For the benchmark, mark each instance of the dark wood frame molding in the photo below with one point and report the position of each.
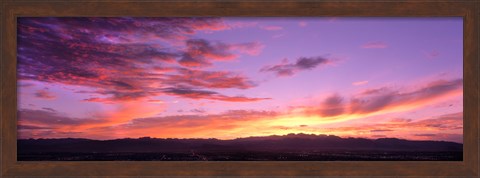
(10, 10)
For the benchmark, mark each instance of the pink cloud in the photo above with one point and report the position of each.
(253, 48)
(215, 24)
(358, 83)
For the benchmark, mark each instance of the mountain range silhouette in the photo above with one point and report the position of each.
(274, 143)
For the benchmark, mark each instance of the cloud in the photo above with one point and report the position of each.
(61, 122)
(156, 101)
(49, 109)
(391, 99)
(331, 106)
(101, 100)
(372, 104)
(209, 79)
(400, 120)
(46, 133)
(185, 126)
(125, 59)
(200, 52)
(271, 28)
(252, 48)
(189, 93)
(447, 127)
(302, 63)
(425, 135)
(358, 83)
(49, 119)
(374, 90)
(454, 137)
(386, 99)
(381, 130)
(119, 96)
(375, 44)
(444, 122)
(74, 51)
(441, 123)
(31, 127)
(25, 85)
(198, 110)
(44, 94)
(211, 95)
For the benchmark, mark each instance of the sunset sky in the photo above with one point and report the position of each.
(107, 78)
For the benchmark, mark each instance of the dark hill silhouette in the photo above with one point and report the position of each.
(274, 143)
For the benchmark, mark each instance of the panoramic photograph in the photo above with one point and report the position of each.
(239, 89)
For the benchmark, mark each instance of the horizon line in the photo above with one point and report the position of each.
(290, 134)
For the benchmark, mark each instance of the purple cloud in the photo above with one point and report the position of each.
(204, 94)
(209, 79)
(331, 106)
(120, 57)
(302, 63)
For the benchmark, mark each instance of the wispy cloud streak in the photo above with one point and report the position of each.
(302, 63)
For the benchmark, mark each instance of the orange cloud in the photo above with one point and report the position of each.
(230, 124)
(122, 113)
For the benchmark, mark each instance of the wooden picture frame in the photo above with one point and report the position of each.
(10, 10)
